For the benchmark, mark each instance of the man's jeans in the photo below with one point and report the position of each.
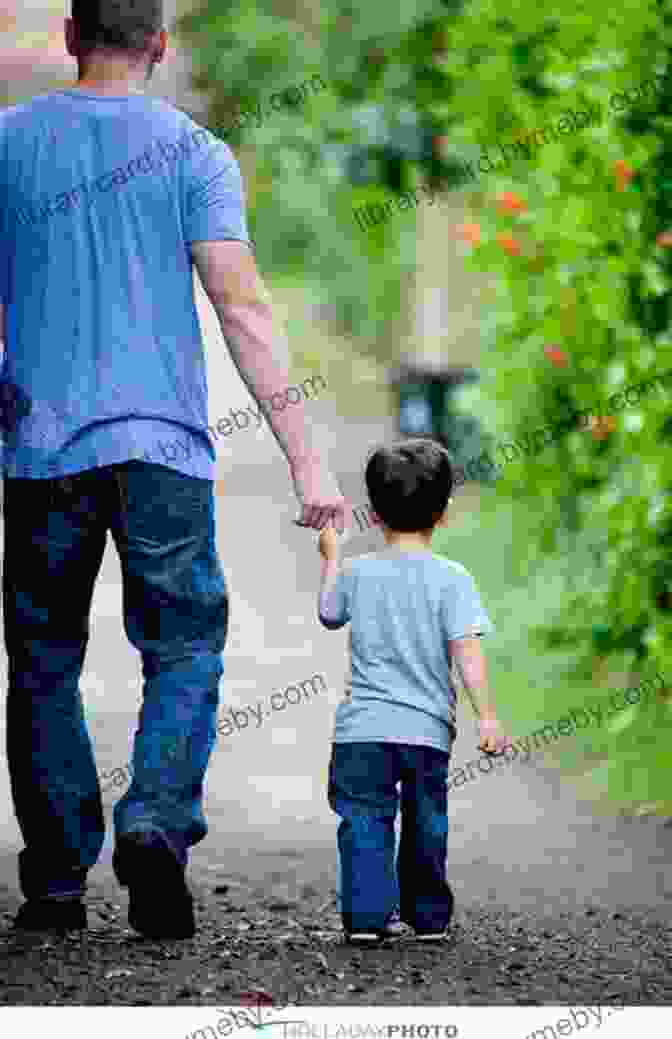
(175, 613)
(363, 781)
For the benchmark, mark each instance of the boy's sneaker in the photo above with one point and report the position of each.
(395, 927)
(51, 914)
(160, 903)
(438, 936)
(364, 938)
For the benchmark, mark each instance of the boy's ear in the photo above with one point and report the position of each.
(375, 518)
(71, 41)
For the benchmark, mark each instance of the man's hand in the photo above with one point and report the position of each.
(319, 496)
(491, 736)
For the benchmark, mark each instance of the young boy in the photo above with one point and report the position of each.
(412, 615)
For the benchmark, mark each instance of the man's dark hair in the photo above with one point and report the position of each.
(124, 25)
(409, 484)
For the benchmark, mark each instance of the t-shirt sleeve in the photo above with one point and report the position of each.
(215, 196)
(463, 612)
(335, 606)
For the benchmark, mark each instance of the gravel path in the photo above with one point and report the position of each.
(555, 904)
(252, 943)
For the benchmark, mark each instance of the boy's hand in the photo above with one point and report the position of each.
(491, 736)
(329, 544)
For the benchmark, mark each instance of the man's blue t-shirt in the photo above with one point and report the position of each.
(100, 198)
(403, 608)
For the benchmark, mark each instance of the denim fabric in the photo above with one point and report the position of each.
(175, 613)
(363, 780)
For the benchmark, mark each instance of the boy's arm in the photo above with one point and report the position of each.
(472, 668)
(332, 606)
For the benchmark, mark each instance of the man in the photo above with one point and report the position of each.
(107, 201)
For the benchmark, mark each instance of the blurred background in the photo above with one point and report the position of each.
(540, 288)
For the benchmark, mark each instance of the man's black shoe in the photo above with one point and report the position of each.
(51, 914)
(160, 903)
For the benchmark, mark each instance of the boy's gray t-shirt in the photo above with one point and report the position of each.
(403, 608)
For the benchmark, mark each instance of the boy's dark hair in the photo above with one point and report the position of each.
(124, 25)
(409, 484)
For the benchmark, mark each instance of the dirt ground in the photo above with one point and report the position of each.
(289, 948)
(555, 903)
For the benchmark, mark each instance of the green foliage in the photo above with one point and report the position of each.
(365, 127)
(410, 87)
(591, 280)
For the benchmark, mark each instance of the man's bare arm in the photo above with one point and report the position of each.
(260, 351)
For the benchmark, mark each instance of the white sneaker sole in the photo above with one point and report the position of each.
(363, 938)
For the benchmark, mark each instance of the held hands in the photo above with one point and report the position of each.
(318, 494)
(491, 736)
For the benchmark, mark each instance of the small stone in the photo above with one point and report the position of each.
(255, 998)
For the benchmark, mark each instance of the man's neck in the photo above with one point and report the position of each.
(116, 80)
(109, 87)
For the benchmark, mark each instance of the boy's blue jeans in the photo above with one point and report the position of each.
(363, 780)
(175, 606)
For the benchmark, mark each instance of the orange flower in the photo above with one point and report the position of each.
(468, 233)
(509, 244)
(602, 425)
(622, 169)
(664, 238)
(623, 173)
(511, 203)
(556, 356)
